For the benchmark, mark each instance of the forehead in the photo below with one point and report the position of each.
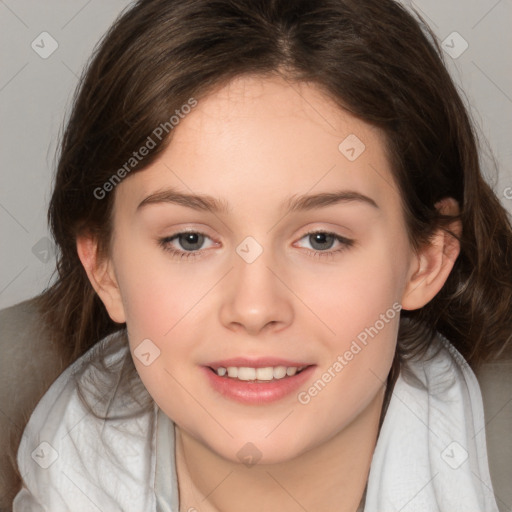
(264, 139)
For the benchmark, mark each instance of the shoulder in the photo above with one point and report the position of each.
(88, 439)
(495, 379)
(434, 432)
(444, 376)
(441, 369)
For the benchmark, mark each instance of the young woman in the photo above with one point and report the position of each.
(278, 263)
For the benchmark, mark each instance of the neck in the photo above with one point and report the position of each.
(331, 476)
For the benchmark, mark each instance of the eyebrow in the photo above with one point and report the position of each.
(295, 203)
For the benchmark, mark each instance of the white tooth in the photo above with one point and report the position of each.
(232, 371)
(245, 373)
(279, 372)
(265, 373)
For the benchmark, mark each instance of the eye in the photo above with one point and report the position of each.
(322, 241)
(190, 242)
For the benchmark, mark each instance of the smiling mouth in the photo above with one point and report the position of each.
(259, 375)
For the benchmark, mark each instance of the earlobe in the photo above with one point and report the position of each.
(434, 262)
(101, 276)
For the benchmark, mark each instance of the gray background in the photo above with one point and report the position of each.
(35, 95)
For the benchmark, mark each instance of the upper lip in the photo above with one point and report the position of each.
(260, 362)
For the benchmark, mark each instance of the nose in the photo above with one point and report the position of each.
(256, 297)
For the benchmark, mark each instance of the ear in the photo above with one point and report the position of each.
(432, 265)
(101, 275)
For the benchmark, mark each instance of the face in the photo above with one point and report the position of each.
(269, 278)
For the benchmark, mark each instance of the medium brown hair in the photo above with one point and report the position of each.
(372, 57)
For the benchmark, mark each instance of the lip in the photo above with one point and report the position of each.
(256, 393)
(260, 362)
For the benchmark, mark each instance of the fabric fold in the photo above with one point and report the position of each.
(431, 455)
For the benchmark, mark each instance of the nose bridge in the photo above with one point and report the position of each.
(256, 296)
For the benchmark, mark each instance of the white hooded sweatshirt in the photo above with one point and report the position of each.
(430, 455)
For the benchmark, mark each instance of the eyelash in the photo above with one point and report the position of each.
(164, 243)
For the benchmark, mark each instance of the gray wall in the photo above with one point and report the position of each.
(35, 93)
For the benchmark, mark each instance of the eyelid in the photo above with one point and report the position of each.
(326, 232)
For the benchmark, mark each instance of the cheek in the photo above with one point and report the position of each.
(358, 308)
(156, 293)
(352, 294)
(359, 353)
(158, 301)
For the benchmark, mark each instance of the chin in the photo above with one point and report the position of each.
(258, 450)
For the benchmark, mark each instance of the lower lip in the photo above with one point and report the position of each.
(257, 392)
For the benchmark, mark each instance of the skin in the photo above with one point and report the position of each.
(254, 144)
